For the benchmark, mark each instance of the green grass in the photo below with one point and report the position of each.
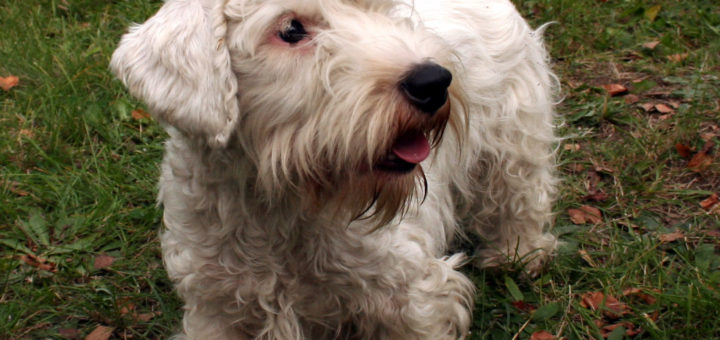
(78, 174)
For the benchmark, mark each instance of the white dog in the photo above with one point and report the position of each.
(325, 153)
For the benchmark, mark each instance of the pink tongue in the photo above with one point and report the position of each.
(412, 148)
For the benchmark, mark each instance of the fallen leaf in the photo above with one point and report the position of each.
(597, 196)
(630, 329)
(671, 237)
(586, 214)
(631, 99)
(611, 307)
(139, 114)
(523, 306)
(663, 108)
(713, 233)
(683, 150)
(100, 333)
(145, 317)
(709, 202)
(585, 256)
(700, 161)
(9, 82)
(650, 45)
(666, 116)
(39, 263)
(542, 335)
(637, 292)
(615, 89)
(26, 133)
(571, 147)
(103, 261)
(677, 57)
(69, 333)
(647, 107)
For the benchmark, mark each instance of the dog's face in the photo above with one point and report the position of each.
(342, 100)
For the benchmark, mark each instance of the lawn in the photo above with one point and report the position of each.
(639, 110)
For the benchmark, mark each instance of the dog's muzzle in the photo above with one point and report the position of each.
(426, 87)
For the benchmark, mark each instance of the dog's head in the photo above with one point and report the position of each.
(342, 99)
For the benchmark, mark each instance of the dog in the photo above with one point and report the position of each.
(325, 155)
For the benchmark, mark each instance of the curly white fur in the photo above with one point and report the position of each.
(278, 224)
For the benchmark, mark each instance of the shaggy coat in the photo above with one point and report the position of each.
(287, 213)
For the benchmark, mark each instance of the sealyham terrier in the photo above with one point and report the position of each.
(324, 154)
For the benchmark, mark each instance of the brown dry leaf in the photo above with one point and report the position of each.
(631, 99)
(630, 329)
(677, 57)
(613, 308)
(671, 237)
(712, 233)
(140, 114)
(103, 261)
(26, 133)
(39, 263)
(683, 150)
(6, 83)
(523, 306)
(700, 161)
(647, 107)
(597, 196)
(585, 256)
(666, 116)
(542, 335)
(664, 108)
(69, 333)
(615, 89)
(709, 202)
(651, 44)
(100, 333)
(637, 292)
(145, 317)
(571, 147)
(586, 214)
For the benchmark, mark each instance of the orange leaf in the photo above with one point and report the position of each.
(586, 214)
(523, 306)
(710, 201)
(671, 237)
(100, 333)
(615, 89)
(542, 335)
(585, 256)
(9, 82)
(631, 99)
(613, 308)
(647, 107)
(677, 57)
(103, 261)
(69, 333)
(663, 108)
(700, 161)
(140, 114)
(39, 263)
(651, 45)
(630, 329)
(649, 299)
(684, 150)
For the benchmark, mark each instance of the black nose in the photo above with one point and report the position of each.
(426, 86)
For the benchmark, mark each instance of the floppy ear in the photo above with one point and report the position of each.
(177, 62)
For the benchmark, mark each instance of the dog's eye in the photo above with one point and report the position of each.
(294, 33)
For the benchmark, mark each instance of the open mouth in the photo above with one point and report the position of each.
(406, 153)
